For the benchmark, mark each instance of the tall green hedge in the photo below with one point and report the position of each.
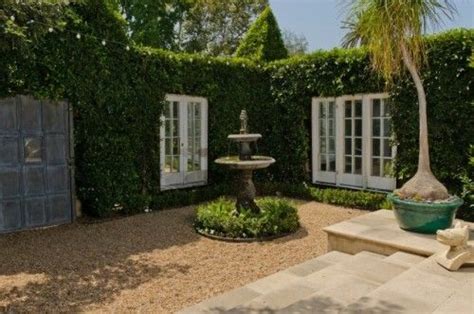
(118, 96)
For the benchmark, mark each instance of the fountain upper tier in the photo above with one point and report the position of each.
(244, 137)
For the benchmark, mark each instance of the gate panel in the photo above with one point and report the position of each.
(34, 169)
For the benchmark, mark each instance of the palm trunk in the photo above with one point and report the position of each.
(424, 150)
(423, 185)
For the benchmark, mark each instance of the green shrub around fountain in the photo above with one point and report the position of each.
(221, 219)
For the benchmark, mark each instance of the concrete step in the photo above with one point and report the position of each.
(405, 259)
(327, 282)
(424, 288)
(342, 284)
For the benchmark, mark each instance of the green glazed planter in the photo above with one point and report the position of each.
(424, 217)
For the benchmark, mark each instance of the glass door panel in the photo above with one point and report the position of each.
(194, 137)
(382, 152)
(352, 150)
(171, 142)
(324, 114)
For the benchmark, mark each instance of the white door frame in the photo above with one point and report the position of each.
(185, 178)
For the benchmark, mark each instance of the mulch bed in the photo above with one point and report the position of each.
(152, 262)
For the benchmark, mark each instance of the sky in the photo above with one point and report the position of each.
(320, 20)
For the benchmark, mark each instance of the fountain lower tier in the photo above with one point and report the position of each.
(244, 184)
(255, 162)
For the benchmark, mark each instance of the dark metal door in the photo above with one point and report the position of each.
(35, 185)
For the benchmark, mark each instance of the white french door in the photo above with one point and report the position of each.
(324, 135)
(183, 135)
(351, 141)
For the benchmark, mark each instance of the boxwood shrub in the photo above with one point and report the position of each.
(220, 218)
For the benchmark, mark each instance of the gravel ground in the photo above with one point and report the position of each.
(149, 263)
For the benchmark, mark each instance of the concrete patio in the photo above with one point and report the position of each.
(391, 271)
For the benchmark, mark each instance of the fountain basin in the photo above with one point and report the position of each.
(255, 162)
(244, 137)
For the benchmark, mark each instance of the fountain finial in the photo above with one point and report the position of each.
(243, 122)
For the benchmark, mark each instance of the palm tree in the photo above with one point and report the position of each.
(392, 31)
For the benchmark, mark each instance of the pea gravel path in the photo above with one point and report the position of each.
(149, 263)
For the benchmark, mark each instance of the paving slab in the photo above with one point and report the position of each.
(223, 302)
(426, 287)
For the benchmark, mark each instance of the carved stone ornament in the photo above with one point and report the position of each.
(459, 252)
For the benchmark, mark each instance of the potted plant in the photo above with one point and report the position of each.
(392, 31)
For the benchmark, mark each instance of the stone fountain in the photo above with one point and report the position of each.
(246, 163)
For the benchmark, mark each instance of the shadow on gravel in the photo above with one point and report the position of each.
(72, 266)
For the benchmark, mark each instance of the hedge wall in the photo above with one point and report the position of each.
(118, 94)
(449, 85)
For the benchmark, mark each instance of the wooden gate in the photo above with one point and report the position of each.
(35, 169)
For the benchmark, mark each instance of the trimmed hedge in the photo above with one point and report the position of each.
(118, 96)
(263, 41)
(341, 197)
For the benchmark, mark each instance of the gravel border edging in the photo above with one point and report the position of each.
(245, 240)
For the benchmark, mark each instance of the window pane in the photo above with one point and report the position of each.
(358, 165)
(375, 147)
(168, 146)
(358, 127)
(175, 149)
(348, 164)
(197, 111)
(33, 149)
(387, 127)
(387, 108)
(331, 127)
(322, 165)
(387, 149)
(175, 109)
(168, 164)
(375, 127)
(375, 167)
(376, 107)
(348, 146)
(322, 110)
(387, 168)
(348, 109)
(348, 127)
(358, 147)
(322, 145)
(176, 167)
(168, 128)
(190, 164)
(322, 127)
(331, 109)
(332, 145)
(175, 128)
(332, 163)
(166, 111)
(358, 108)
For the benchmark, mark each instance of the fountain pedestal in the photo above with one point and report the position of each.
(246, 191)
